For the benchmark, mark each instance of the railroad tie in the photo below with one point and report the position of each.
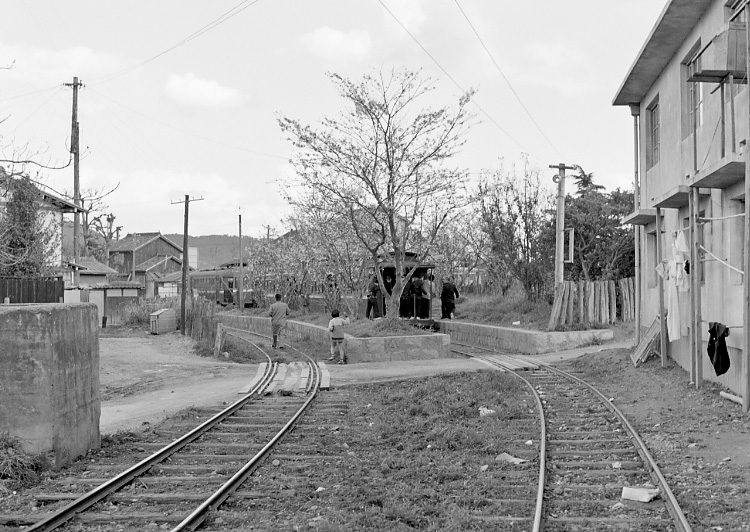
(280, 376)
(325, 376)
(253, 383)
(293, 373)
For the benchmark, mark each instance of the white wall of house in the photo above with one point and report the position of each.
(679, 164)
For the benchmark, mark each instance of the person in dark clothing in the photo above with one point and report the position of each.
(417, 292)
(448, 299)
(373, 309)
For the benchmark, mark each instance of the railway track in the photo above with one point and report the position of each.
(189, 471)
(591, 460)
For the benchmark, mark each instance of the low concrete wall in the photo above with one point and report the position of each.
(521, 340)
(49, 385)
(374, 349)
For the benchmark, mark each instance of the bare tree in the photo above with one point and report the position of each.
(382, 164)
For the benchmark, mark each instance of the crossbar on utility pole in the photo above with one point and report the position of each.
(183, 293)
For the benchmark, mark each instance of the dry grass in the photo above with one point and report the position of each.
(17, 469)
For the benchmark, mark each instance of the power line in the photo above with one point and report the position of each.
(236, 10)
(454, 81)
(165, 124)
(510, 86)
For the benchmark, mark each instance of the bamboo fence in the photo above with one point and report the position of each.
(593, 302)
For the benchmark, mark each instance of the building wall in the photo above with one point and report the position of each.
(721, 292)
(49, 386)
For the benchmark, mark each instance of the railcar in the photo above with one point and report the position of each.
(222, 286)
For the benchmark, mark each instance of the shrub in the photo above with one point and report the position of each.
(18, 469)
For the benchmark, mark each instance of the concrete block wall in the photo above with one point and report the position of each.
(521, 340)
(49, 383)
(374, 349)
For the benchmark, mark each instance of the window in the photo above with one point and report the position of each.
(695, 91)
(652, 122)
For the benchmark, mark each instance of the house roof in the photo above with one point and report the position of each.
(174, 277)
(92, 266)
(61, 204)
(146, 265)
(135, 241)
(677, 20)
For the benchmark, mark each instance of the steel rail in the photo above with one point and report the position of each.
(114, 484)
(539, 510)
(672, 505)
(199, 515)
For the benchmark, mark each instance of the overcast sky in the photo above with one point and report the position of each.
(181, 96)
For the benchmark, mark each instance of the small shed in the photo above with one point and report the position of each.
(163, 321)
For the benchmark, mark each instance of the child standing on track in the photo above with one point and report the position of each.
(336, 327)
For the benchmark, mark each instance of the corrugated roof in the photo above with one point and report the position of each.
(677, 20)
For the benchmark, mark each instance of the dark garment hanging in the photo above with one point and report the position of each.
(717, 347)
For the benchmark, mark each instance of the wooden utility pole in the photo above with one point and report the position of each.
(746, 282)
(241, 295)
(75, 151)
(185, 265)
(560, 224)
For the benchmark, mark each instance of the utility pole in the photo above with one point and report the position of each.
(183, 293)
(74, 149)
(560, 224)
(241, 295)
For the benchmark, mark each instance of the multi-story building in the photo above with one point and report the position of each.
(687, 93)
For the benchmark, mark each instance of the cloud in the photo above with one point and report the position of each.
(338, 46)
(41, 66)
(409, 12)
(192, 90)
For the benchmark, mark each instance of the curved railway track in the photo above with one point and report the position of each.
(179, 485)
(588, 453)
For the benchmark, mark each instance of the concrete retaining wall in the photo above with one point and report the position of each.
(49, 383)
(521, 340)
(375, 349)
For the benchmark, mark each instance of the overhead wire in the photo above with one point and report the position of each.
(491, 119)
(236, 10)
(507, 81)
(202, 137)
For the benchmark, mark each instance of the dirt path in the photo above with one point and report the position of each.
(146, 378)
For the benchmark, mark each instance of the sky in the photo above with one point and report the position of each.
(182, 97)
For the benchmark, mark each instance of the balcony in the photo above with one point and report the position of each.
(724, 55)
(723, 173)
(640, 217)
(676, 198)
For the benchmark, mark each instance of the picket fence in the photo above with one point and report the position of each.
(593, 302)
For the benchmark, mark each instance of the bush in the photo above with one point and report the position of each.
(18, 469)
(136, 315)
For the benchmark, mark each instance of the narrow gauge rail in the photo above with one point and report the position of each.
(181, 483)
(589, 452)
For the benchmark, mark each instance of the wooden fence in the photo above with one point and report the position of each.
(32, 290)
(593, 302)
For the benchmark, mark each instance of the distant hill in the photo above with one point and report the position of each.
(213, 250)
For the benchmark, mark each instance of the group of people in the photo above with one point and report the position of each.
(416, 301)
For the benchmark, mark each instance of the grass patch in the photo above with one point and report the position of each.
(504, 311)
(18, 469)
(413, 455)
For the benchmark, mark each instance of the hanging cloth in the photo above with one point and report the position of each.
(674, 328)
(717, 347)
